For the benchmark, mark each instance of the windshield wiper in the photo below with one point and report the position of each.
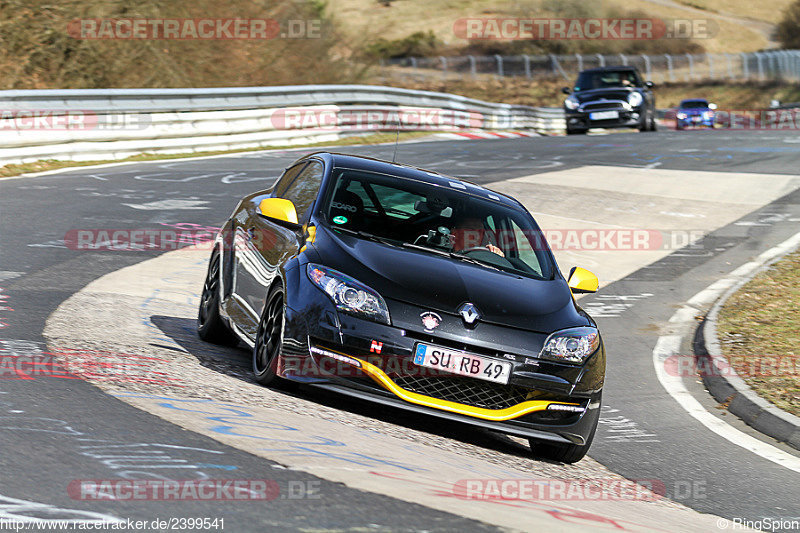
(426, 249)
(367, 235)
(466, 258)
(451, 255)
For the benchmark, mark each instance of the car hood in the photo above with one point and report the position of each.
(609, 93)
(441, 284)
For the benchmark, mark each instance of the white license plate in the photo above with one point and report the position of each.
(603, 115)
(695, 119)
(462, 363)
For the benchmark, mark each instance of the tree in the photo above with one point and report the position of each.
(788, 30)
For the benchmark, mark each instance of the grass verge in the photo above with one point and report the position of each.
(53, 164)
(759, 329)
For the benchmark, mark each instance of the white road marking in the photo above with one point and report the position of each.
(669, 345)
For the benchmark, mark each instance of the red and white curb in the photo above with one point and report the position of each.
(478, 134)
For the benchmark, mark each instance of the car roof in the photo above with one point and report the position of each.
(400, 170)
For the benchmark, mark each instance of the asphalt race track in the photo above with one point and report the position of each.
(739, 192)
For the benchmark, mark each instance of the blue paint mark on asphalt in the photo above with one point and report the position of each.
(222, 467)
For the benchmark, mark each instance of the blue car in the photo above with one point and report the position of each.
(695, 112)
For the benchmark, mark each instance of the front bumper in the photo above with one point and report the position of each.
(544, 400)
(579, 120)
(691, 122)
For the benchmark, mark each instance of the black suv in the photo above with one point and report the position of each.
(610, 97)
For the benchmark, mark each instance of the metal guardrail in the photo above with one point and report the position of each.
(117, 123)
(778, 64)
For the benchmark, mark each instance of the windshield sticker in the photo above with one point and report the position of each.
(340, 220)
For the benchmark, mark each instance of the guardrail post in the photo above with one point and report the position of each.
(760, 66)
(580, 61)
(623, 59)
(647, 69)
(669, 67)
(601, 60)
(710, 66)
(691, 67)
(499, 60)
(527, 65)
(473, 69)
(745, 65)
(444, 66)
(730, 65)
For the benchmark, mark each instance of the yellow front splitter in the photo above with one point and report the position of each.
(496, 415)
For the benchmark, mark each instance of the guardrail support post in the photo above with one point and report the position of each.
(760, 66)
(710, 66)
(499, 60)
(623, 59)
(580, 61)
(444, 66)
(527, 60)
(730, 65)
(601, 60)
(669, 67)
(690, 75)
(648, 71)
(473, 69)
(745, 65)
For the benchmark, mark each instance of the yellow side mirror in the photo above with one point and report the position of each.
(581, 281)
(279, 209)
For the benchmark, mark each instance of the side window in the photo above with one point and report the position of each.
(288, 176)
(525, 249)
(304, 189)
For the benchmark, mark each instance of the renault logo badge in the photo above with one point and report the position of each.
(470, 314)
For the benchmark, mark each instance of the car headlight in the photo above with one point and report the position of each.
(571, 345)
(571, 102)
(350, 296)
(635, 99)
(681, 116)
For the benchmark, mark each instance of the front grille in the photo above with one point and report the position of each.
(603, 106)
(464, 390)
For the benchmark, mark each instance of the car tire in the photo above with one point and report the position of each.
(210, 326)
(561, 451)
(574, 132)
(269, 338)
(653, 126)
(644, 124)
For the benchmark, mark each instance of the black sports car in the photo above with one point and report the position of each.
(610, 97)
(409, 288)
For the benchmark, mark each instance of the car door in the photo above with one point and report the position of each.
(264, 244)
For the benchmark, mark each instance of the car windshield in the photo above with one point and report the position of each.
(694, 104)
(607, 78)
(442, 220)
